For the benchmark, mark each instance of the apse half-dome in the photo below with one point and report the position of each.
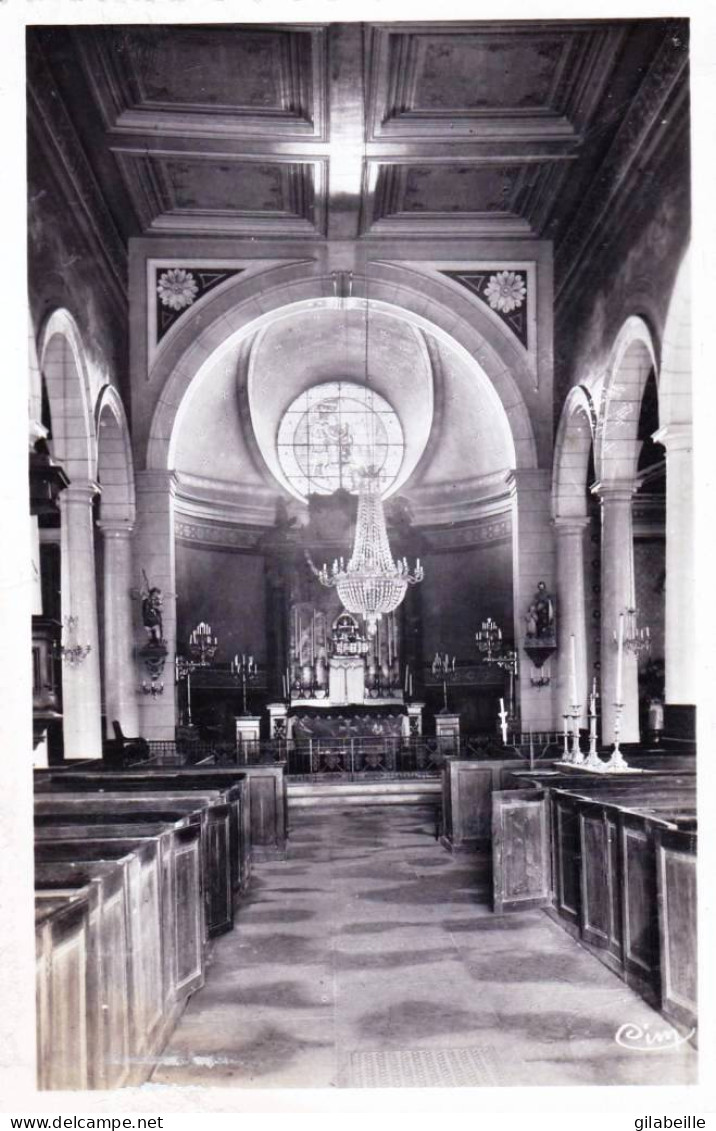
(334, 432)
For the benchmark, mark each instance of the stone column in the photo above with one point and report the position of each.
(617, 595)
(120, 676)
(81, 691)
(571, 613)
(155, 554)
(532, 562)
(680, 655)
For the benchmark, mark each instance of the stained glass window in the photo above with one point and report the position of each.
(332, 432)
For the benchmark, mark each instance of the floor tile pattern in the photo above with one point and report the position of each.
(371, 958)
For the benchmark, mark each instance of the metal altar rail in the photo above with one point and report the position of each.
(351, 757)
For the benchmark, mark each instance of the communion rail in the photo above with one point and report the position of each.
(361, 757)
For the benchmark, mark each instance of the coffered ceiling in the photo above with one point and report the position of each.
(347, 130)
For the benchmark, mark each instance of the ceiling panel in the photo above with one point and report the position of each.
(202, 194)
(501, 199)
(208, 81)
(340, 130)
(488, 81)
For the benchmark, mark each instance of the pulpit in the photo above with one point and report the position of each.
(346, 680)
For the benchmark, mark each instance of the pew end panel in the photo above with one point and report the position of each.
(676, 875)
(521, 861)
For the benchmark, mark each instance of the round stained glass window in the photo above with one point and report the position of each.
(332, 433)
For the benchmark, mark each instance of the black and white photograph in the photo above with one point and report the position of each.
(360, 580)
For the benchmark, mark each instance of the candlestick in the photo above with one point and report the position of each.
(532, 753)
(577, 756)
(617, 761)
(620, 659)
(573, 666)
(503, 721)
(565, 753)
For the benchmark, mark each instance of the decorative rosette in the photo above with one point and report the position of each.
(177, 288)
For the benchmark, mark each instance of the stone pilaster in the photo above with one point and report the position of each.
(120, 675)
(154, 552)
(533, 560)
(81, 689)
(680, 654)
(617, 596)
(571, 617)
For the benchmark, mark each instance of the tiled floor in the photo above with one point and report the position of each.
(371, 957)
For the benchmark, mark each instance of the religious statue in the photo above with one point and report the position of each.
(541, 613)
(152, 602)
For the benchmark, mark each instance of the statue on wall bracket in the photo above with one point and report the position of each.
(541, 634)
(154, 652)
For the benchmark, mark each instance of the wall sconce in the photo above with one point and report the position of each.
(541, 679)
(72, 652)
(154, 656)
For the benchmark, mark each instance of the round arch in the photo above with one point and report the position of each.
(64, 368)
(632, 359)
(675, 388)
(115, 469)
(237, 312)
(575, 435)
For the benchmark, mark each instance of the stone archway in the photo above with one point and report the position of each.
(424, 302)
(74, 444)
(676, 434)
(575, 438)
(617, 446)
(115, 472)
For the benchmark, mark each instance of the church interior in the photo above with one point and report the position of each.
(361, 503)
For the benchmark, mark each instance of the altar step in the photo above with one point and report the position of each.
(331, 795)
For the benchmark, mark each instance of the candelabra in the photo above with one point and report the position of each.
(72, 652)
(246, 670)
(442, 667)
(488, 639)
(202, 647)
(636, 640)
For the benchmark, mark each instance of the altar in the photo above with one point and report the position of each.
(346, 680)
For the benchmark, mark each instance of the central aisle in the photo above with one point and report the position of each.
(371, 958)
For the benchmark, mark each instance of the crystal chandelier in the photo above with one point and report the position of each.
(372, 583)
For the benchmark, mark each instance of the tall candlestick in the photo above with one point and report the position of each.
(620, 658)
(573, 667)
(503, 721)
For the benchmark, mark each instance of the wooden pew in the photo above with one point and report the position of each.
(267, 807)
(213, 818)
(108, 978)
(676, 878)
(61, 947)
(177, 851)
(165, 957)
(601, 875)
(236, 795)
(467, 788)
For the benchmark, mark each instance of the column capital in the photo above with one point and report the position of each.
(615, 491)
(79, 492)
(115, 527)
(529, 478)
(570, 524)
(156, 479)
(675, 437)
